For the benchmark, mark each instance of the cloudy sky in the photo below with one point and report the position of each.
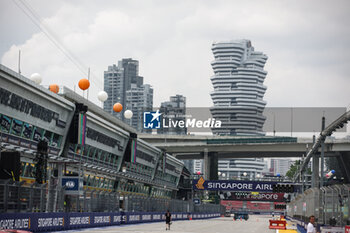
(307, 43)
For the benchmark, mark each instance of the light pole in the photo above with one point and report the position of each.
(274, 124)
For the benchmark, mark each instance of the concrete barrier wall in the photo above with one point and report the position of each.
(37, 222)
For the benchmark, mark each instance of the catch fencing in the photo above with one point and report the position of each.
(16, 197)
(330, 205)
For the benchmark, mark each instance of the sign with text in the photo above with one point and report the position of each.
(197, 201)
(72, 184)
(233, 185)
(251, 196)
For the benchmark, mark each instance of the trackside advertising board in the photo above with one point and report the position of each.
(233, 185)
(251, 196)
(47, 222)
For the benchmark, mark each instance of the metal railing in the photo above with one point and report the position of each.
(17, 197)
(146, 204)
(14, 197)
(330, 205)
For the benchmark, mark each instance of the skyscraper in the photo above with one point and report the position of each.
(114, 86)
(124, 85)
(238, 99)
(139, 99)
(238, 88)
(175, 109)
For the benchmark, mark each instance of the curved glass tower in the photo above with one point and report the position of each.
(238, 88)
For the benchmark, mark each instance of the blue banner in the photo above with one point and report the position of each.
(71, 183)
(46, 222)
(233, 185)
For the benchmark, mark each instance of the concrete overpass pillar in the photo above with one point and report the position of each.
(206, 164)
(214, 163)
(210, 165)
(344, 164)
(315, 182)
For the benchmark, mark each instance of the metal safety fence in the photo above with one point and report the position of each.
(330, 205)
(134, 203)
(18, 197)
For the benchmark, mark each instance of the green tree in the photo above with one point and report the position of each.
(294, 168)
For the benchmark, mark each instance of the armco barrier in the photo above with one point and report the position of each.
(38, 222)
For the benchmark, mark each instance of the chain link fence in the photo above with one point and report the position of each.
(330, 205)
(16, 197)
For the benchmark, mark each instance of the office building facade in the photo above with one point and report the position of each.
(174, 110)
(280, 166)
(124, 85)
(114, 86)
(139, 99)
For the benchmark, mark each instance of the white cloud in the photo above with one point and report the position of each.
(307, 45)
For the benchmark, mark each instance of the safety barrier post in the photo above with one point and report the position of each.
(277, 224)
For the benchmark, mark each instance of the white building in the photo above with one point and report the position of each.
(280, 166)
(238, 88)
(174, 109)
(238, 99)
(198, 166)
(241, 168)
(139, 99)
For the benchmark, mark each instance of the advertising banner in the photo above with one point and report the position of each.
(233, 185)
(47, 222)
(249, 196)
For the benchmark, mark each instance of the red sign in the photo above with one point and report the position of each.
(347, 229)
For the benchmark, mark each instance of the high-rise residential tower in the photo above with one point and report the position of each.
(139, 99)
(238, 88)
(124, 85)
(175, 110)
(114, 86)
(238, 100)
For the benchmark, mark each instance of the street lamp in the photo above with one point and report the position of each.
(274, 124)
